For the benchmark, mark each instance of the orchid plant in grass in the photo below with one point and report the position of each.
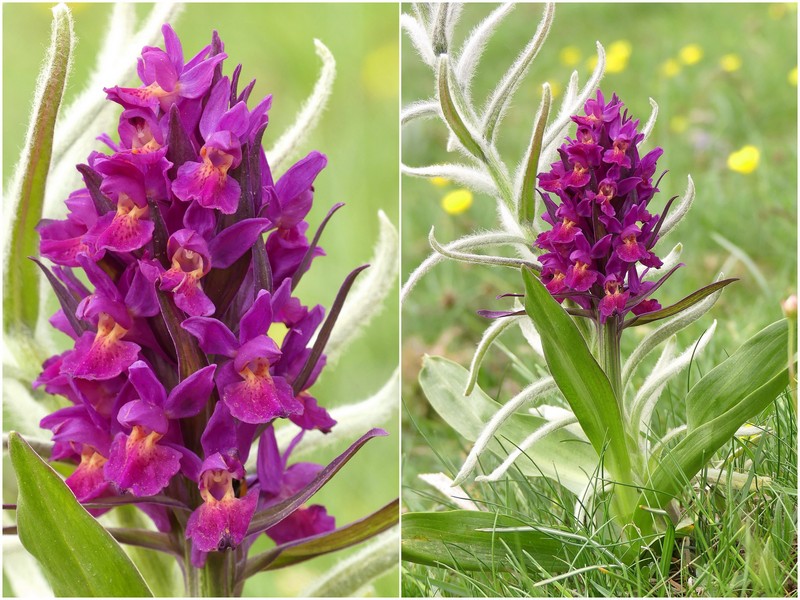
(581, 211)
(189, 385)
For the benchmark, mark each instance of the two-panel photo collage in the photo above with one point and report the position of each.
(387, 299)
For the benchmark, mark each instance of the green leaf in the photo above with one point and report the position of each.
(560, 455)
(527, 195)
(453, 115)
(26, 195)
(758, 360)
(760, 371)
(679, 306)
(580, 379)
(78, 556)
(457, 539)
(332, 541)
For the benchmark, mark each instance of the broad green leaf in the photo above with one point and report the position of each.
(26, 196)
(560, 455)
(458, 539)
(332, 541)
(79, 557)
(759, 359)
(580, 379)
(676, 467)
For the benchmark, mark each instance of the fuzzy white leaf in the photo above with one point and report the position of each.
(438, 30)
(470, 177)
(424, 109)
(526, 443)
(548, 412)
(530, 393)
(666, 330)
(472, 49)
(470, 242)
(670, 261)
(352, 574)
(645, 401)
(501, 97)
(651, 122)
(308, 117)
(489, 336)
(477, 259)
(444, 485)
(677, 213)
(366, 298)
(419, 38)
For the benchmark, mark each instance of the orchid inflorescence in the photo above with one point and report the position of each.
(188, 341)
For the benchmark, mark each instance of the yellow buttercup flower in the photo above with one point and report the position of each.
(691, 54)
(377, 73)
(670, 68)
(730, 63)
(678, 124)
(617, 56)
(440, 181)
(569, 56)
(744, 160)
(793, 76)
(457, 201)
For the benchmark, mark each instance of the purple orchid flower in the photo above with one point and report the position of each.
(187, 340)
(601, 230)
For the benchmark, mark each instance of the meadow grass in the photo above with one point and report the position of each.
(712, 104)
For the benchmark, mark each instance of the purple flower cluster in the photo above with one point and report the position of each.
(188, 342)
(601, 230)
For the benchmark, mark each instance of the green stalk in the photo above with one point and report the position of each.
(611, 357)
(217, 576)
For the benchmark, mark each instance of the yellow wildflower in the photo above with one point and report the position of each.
(569, 56)
(793, 76)
(730, 63)
(744, 160)
(670, 67)
(379, 71)
(691, 54)
(617, 57)
(457, 201)
(440, 181)
(678, 124)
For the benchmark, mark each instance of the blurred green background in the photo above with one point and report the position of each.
(358, 132)
(724, 76)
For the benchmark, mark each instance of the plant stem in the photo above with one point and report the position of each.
(217, 576)
(611, 357)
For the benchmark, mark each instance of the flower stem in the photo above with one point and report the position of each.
(217, 576)
(611, 357)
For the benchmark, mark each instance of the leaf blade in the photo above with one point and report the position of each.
(84, 560)
(21, 303)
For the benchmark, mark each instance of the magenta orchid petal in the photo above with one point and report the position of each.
(190, 396)
(234, 241)
(137, 462)
(214, 337)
